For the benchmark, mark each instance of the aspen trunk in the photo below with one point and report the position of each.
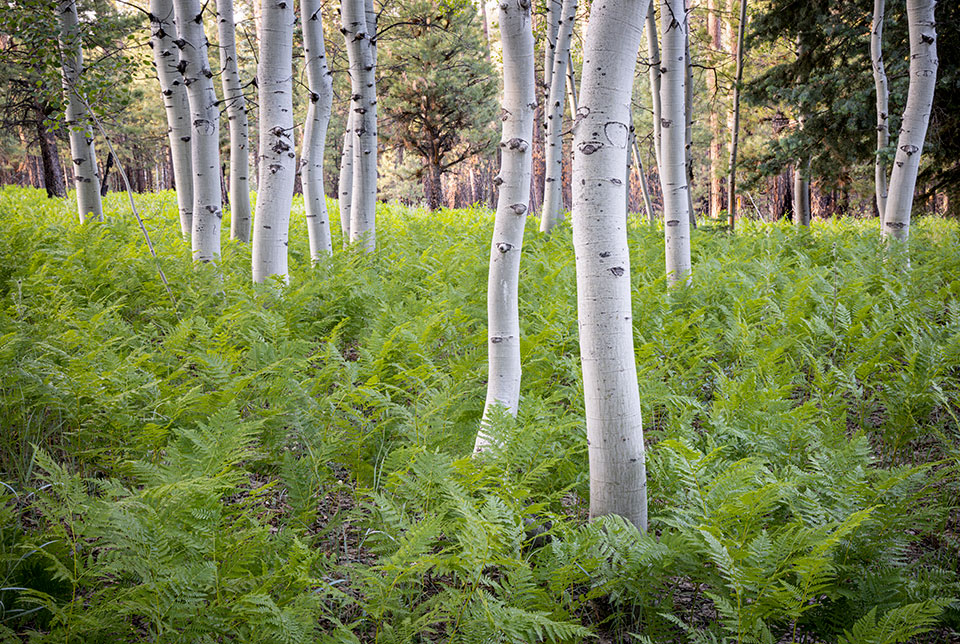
(916, 117)
(550, 51)
(601, 135)
(571, 84)
(359, 32)
(735, 124)
(883, 125)
(801, 194)
(85, 176)
(345, 184)
(503, 316)
(673, 175)
(166, 58)
(237, 117)
(553, 181)
(688, 122)
(204, 130)
(653, 53)
(277, 158)
(644, 188)
(320, 84)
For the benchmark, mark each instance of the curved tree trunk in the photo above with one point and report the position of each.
(503, 317)
(277, 158)
(204, 130)
(883, 125)
(166, 58)
(653, 53)
(601, 135)
(359, 34)
(553, 182)
(315, 131)
(916, 117)
(237, 117)
(345, 184)
(673, 174)
(85, 176)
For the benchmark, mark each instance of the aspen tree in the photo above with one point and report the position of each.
(345, 183)
(167, 61)
(801, 172)
(204, 130)
(688, 122)
(237, 118)
(601, 135)
(916, 117)
(503, 316)
(653, 53)
(86, 178)
(553, 188)
(320, 84)
(673, 176)
(277, 157)
(880, 82)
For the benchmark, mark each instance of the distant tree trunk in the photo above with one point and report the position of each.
(688, 123)
(550, 51)
(205, 130)
(315, 131)
(345, 184)
(277, 158)
(503, 316)
(673, 176)
(166, 58)
(644, 188)
(801, 194)
(237, 117)
(52, 172)
(883, 125)
(735, 126)
(571, 84)
(553, 181)
(105, 185)
(713, 33)
(916, 117)
(653, 53)
(432, 184)
(85, 177)
(614, 425)
(359, 30)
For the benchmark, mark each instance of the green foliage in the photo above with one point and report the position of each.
(289, 463)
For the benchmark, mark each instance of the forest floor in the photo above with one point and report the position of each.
(292, 462)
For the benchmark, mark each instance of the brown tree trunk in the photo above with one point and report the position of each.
(713, 32)
(432, 185)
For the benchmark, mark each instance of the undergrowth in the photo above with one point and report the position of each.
(291, 463)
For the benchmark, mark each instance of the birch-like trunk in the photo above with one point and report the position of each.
(644, 188)
(320, 84)
(86, 178)
(237, 117)
(166, 58)
(503, 316)
(277, 158)
(553, 17)
(571, 83)
(673, 174)
(801, 193)
(345, 184)
(359, 32)
(735, 119)
(688, 123)
(916, 117)
(883, 124)
(601, 135)
(653, 53)
(204, 130)
(553, 181)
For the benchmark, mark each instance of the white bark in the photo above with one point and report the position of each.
(345, 185)
(359, 33)
(277, 158)
(916, 117)
(86, 178)
(167, 59)
(801, 194)
(237, 116)
(673, 175)
(553, 181)
(550, 49)
(644, 188)
(571, 83)
(601, 135)
(883, 125)
(653, 53)
(503, 317)
(205, 130)
(320, 84)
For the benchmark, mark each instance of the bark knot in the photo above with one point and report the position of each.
(504, 247)
(518, 208)
(617, 271)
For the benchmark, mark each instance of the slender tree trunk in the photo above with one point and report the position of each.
(277, 158)
(503, 316)
(166, 58)
(735, 127)
(359, 33)
(550, 50)
(553, 182)
(883, 125)
(916, 117)
(673, 175)
(85, 176)
(801, 194)
(237, 117)
(205, 130)
(345, 184)
(319, 107)
(688, 122)
(644, 188)
(713, 33)
(571, 83)
(653, 53)
(614, 428)
(631, 138)
(52, 173)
